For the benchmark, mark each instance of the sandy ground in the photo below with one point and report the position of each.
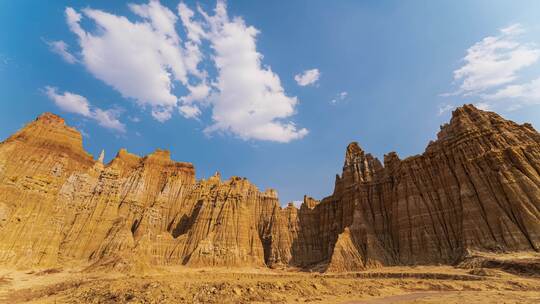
(187, 285)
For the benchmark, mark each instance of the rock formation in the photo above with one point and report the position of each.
(476, 188)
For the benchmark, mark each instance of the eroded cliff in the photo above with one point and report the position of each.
(476, 188)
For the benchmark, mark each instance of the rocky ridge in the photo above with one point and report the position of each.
(475, 189)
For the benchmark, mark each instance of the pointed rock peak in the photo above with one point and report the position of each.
(529, 126)
(466, 112)
(468, 118)
(124, 157)
(391, 162)
(50, 130)
(237, 181)
(123, 153)
(354, 147)
(101, 156)
(50, 118)
(235, 178)
(391, 157)
(162, 154)
(309, 202)
(291, 205)
(216, 177)
(353, 153)
(272, 193)
(466, 109)
(360, 166)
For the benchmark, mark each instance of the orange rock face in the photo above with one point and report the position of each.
(477, 187)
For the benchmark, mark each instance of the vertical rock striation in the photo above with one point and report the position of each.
(477, 187)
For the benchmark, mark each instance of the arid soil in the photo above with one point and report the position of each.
(423, 284)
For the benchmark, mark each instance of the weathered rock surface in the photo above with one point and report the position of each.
(59, 206)
(477, 187)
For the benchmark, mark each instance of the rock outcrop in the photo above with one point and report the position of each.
(476, 188)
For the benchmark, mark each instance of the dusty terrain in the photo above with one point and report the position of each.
(475, 188)
(144, 230)
(180, 284)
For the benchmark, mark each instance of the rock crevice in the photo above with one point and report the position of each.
(475, 188)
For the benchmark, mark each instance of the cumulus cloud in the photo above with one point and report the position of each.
(146, 59)
(516, 96)
(495, 60)
(194, 29)
(307, 77)
(492, 67)
(108, 119)
(69, 102)
(77, 104)
(61, 48)
(197, 96)
(249, 100)
(139, 59)
(189, 111)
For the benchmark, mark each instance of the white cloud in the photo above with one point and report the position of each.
(494, 65)
(74, 103)
(198, 93)
(495, 60)
(307, 77)
(517, 95)
(108, 119)
(146, 59)
(514, 29)
(193, 28)
(443, 108)
(529, 91)
(69, 102)
(249, 100)
(61, 48)
(139, 59)
(189, 111)
(161, 18)
(483, 106)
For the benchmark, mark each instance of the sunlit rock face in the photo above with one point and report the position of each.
(477, 187)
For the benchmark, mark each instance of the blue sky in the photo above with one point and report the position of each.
(218, 88)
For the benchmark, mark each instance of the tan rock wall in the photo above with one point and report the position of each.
(477, 187)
